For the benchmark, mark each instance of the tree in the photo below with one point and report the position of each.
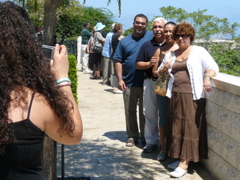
(227, 58)
(109, 1)
(174, 14)
(206, 26)
(50, 13)
(234, 26)
(71, 19)
(35, 11)
(50, 19)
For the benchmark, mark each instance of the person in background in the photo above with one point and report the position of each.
(98, 41)
(106, 53)
(146, 61)
(86, 34)
(104, 34)
(90, 49)
(130, 79)
(163, 101)
(191, 68)
(30, 86)
(117, 36)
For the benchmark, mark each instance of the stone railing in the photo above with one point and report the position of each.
(223, 118)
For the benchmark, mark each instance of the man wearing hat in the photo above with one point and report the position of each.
(107, 50)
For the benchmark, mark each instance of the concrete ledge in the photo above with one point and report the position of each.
(228, 83)
(223, 118)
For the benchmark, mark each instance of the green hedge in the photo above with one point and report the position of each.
(73, 75)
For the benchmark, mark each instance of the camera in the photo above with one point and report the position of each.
(48, 51)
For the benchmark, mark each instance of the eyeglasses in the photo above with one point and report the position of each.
(142, 23)
(183, 36)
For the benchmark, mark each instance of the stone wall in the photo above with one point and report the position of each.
(223, 118)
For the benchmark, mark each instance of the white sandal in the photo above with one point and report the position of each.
(178, 172)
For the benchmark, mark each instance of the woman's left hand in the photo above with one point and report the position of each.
(207, 85)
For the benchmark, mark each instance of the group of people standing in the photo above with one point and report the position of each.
(178, 118)
(98, 49)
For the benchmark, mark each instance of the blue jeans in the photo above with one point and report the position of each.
(163, 110)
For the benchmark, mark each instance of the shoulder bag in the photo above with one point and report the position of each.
(161, 83)
(97, 49)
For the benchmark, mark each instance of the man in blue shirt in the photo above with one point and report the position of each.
(130, 80)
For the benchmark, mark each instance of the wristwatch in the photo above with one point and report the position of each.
(207, 76)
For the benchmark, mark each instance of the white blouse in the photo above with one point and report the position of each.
(198, 61)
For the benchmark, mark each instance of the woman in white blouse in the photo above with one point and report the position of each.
(191, 69)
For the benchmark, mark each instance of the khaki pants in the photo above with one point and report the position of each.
(106, 70)
(133, 97)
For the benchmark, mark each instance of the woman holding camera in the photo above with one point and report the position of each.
(35, 100)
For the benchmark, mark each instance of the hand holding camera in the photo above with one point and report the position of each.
(60, 65)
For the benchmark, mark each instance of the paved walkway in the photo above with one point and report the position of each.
(102, 154)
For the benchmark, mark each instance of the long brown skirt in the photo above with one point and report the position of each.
(186, 128)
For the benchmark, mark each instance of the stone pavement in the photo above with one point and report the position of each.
(102, 154)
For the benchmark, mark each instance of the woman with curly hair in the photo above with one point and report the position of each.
(35, 99)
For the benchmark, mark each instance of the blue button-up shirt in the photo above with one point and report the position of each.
(107, 49)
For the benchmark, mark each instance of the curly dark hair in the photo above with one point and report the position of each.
(23, 67)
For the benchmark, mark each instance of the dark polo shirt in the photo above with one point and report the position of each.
(86, 34)
(146, 53)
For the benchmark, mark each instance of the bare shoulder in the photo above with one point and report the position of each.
(41, 111)
(52, 123)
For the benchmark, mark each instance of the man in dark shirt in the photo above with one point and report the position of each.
(145, 62)
(86, 34)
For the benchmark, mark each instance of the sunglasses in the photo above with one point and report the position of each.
(142, 23)
(183, 36)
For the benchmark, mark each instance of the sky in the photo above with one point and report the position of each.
(220, 8)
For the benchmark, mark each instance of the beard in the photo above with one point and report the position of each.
(140, 30)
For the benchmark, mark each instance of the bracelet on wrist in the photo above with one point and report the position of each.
(206, 76)
(63, 84)
(62, 80)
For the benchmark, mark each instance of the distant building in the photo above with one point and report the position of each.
(214, 40)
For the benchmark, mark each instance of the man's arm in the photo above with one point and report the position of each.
(142, 65)
(141, 62)
(89, 34)
(118, 68)
(155, 67)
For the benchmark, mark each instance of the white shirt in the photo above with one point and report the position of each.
(198, 61)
